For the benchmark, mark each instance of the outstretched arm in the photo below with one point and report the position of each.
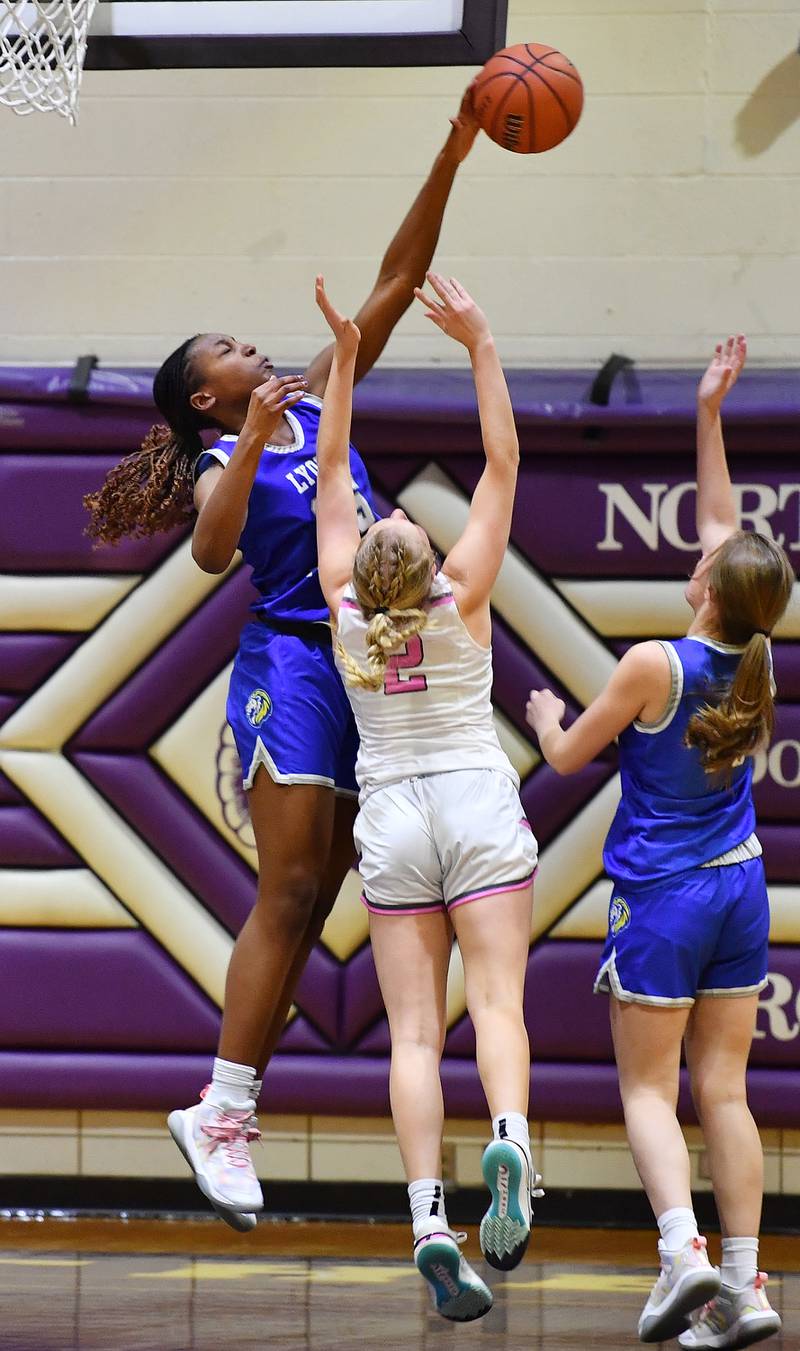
(639, 688)
(408, 256)
(716, 511)
(337, 524)
(474, 560)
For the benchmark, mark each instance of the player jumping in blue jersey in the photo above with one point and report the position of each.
(255, 490)
(686, 952)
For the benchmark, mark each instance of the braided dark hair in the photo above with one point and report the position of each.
(152, 489)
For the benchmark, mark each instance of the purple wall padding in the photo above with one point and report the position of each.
(28, 841)
(63, 546)
(150, 701)
(106, 1018)
(97, 990)
(26, 659)
(176, 831)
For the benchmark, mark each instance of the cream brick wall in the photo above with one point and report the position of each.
(191, 200)
(347, 1149)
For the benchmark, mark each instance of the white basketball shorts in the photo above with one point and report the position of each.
(440, 840)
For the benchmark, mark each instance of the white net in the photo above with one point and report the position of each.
(42, 47)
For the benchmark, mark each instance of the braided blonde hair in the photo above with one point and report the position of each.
(391, 579)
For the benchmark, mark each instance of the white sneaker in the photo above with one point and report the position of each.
(215, 1143)
(687, 1280)
(735, 1318)
(506, 1226)
(458, 1292)
(243, 1221)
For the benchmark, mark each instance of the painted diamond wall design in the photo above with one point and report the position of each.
(126, 856)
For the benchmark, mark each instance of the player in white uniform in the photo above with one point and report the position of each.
(442, 835)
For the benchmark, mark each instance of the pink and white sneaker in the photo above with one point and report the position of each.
(687, 1281)
(215, 1142)
(735, 1318)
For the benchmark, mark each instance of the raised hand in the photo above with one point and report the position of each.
(344, 330)
(543, 709)
(722, 372)
(455, 312)
(465, 127)
(268, 402)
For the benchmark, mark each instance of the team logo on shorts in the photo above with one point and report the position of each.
(619, 915)
(258, 708)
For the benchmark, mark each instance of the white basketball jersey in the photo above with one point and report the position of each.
(433, 712)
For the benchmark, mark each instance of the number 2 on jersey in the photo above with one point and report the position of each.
(411, 656)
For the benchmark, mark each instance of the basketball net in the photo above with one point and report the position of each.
(42, 46)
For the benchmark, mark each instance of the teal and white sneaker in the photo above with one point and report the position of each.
(687, 1281)
(735, 1318)
(506, 1226)
(458, 1292)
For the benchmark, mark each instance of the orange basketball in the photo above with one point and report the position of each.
(528, 98)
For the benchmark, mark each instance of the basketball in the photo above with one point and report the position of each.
(528, 98)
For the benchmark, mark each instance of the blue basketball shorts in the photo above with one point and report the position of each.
(703, 932)
(288, 711)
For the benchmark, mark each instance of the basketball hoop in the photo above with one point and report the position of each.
(42, 46)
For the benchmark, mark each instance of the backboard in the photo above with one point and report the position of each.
(137, 34)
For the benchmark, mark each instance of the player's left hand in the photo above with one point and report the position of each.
(455, 312)
(722, 372)
(344, 330)
(543, 709)
(465, 127)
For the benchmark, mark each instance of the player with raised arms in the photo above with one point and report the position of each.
(254, 490)
(443, 840)
(686, 952)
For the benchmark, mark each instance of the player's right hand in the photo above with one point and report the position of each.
(268, 401)
(465, 126)
(544, 709)
(723, 371)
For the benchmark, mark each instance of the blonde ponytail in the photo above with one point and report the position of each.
(390, 579)
(386, 632)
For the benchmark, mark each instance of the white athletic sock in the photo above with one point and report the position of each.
(426, 1196)
(231, 1083)
(739, 1262)
(257, 1085)
(512, 1126)
(677, 1227)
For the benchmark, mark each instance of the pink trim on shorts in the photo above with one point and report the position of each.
(433, 909)
(523, 821)
(494, 891)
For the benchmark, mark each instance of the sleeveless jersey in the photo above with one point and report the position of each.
(672, 816)
(433, 712)
(279, 539)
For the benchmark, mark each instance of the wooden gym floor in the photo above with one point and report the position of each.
(164, 1285)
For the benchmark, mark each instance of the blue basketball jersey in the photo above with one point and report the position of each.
(279, 539)
(672, 816)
